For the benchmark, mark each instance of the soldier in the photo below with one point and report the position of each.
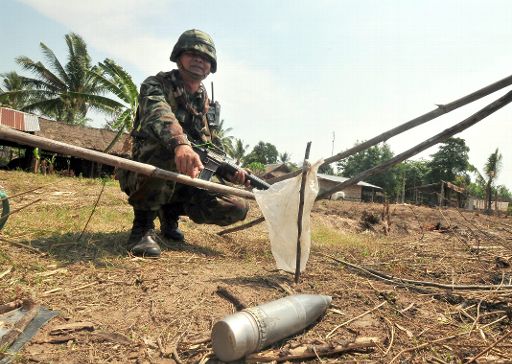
(172, 114)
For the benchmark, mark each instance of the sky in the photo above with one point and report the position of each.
(332, 72)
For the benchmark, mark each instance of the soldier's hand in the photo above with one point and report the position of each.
(187, 161)
(240, 177)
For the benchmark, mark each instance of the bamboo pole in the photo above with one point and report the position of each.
(117, 162)
(440, 110)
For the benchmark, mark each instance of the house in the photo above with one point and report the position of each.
(275, 170)
(80, 136)
(361, 191)
(441, 193)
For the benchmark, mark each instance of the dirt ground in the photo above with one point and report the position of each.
(411, 285)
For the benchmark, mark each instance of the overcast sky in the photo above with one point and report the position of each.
(328, 71)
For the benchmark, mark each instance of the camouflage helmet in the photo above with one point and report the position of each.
(196, 40)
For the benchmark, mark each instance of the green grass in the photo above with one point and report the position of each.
(323, 236)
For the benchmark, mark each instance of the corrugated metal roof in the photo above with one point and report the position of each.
(339, 179)
(31, 122)
(18, 120)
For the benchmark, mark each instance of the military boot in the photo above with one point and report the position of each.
(147, 246)
(169, 217)
(141, 241)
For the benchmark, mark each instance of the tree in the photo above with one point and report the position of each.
(11, 83)
(370, 158)
(239, 151)
(56, 90)
(284, 157)
(491, 170)
(409, 175)
(222, 139)
(114, 79)
(326, 169)
(264, 153)
(449, 161)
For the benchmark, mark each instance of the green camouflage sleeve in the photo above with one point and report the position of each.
(156, 116)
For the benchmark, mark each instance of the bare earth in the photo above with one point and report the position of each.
(115, 308)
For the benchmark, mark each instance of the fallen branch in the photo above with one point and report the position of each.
(20, 208)
(312, 352)
(397, 280)
(489, 347)
(32, 190)
(21, 245)
(425, 345)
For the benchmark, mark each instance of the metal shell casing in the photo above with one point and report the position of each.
(254, 328)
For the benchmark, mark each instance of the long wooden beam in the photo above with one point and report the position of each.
(114, 161)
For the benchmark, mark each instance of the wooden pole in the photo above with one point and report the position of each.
(440, 110)
(305, 170)
(117, 162)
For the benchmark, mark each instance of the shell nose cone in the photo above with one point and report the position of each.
(327, 299)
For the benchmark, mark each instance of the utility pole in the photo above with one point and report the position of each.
(333, 139)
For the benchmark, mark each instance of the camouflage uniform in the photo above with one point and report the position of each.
(167, 117)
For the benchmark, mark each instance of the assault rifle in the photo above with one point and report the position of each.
(217, 163)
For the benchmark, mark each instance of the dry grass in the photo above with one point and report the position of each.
(143, 310)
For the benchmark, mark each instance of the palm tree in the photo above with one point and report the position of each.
(284, 157)
(221, 138)
(114, 79)
(491, 170)
(60, 91)
(12, 82)
(239, 151)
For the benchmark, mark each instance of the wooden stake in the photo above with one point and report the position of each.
(305, 170)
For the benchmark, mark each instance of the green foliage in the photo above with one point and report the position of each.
(239, 150)
(264, 153)
(222, 139)
(491, 170)
(12, 83)
(370, 158)
(409, 175)
(115, 80)
(504, 193)
(284, 157)
(326, 169)
(59, 91)
(449, 161)
(256, 167)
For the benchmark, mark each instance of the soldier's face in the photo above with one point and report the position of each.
(195, 63)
